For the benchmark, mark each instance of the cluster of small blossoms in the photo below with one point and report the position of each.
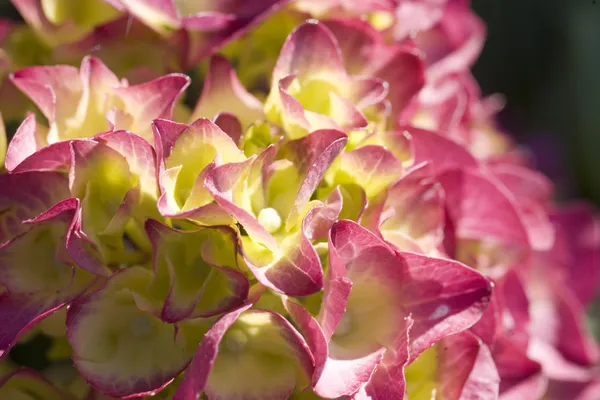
(336, 215)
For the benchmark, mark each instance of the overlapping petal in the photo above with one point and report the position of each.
(195, 272)
(204, 26)
(367, 53)
(111, 336)
(410, 214)
(62, 21)
(270, 199)
(376, 299)
(300, 232)
(84, 102)
(186, 155)
(311, 89)
(114, 179)
(38, 283)
(257, 350)
(459, 367)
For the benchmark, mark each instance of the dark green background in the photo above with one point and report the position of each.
(544, 55)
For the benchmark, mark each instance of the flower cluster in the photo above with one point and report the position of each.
(338, 216)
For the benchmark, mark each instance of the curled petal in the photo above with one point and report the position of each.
(201, 285)
(312, 156)
(231, 125)
(401, 66)
(141, 159)
(151, 100)
(182, 183)
(27, 150)
(294, 268)
(325, 216)
(41, 282)
(411, 216)
(224, 183)
(23, 144)
(27, 195)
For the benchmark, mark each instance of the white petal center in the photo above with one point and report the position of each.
(269, 218)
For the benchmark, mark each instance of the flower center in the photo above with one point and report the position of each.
(269, 218)
(141, 326)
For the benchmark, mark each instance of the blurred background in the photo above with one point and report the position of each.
(544, 55)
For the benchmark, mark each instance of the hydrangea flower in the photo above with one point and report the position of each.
(335, 214)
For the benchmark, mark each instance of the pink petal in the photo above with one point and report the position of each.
(442, 297)
(479, 208)
(524, 182)
(312, 155)
(27, 195)
(20, 308)
(23, 144)
(577, 248)
(403, 69)
(310, 50)
(533, 386)
(231, 125)
(313, 334)
(413, 211)
(322, 219)
(417, 16)
(357, 40)
(442, 152)
(151, 100)
(220, 183)
(454, 44)
(139, 154)
(296, 272)
(345, 377)
(54, 89)
(467, 369)
(20, 312)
